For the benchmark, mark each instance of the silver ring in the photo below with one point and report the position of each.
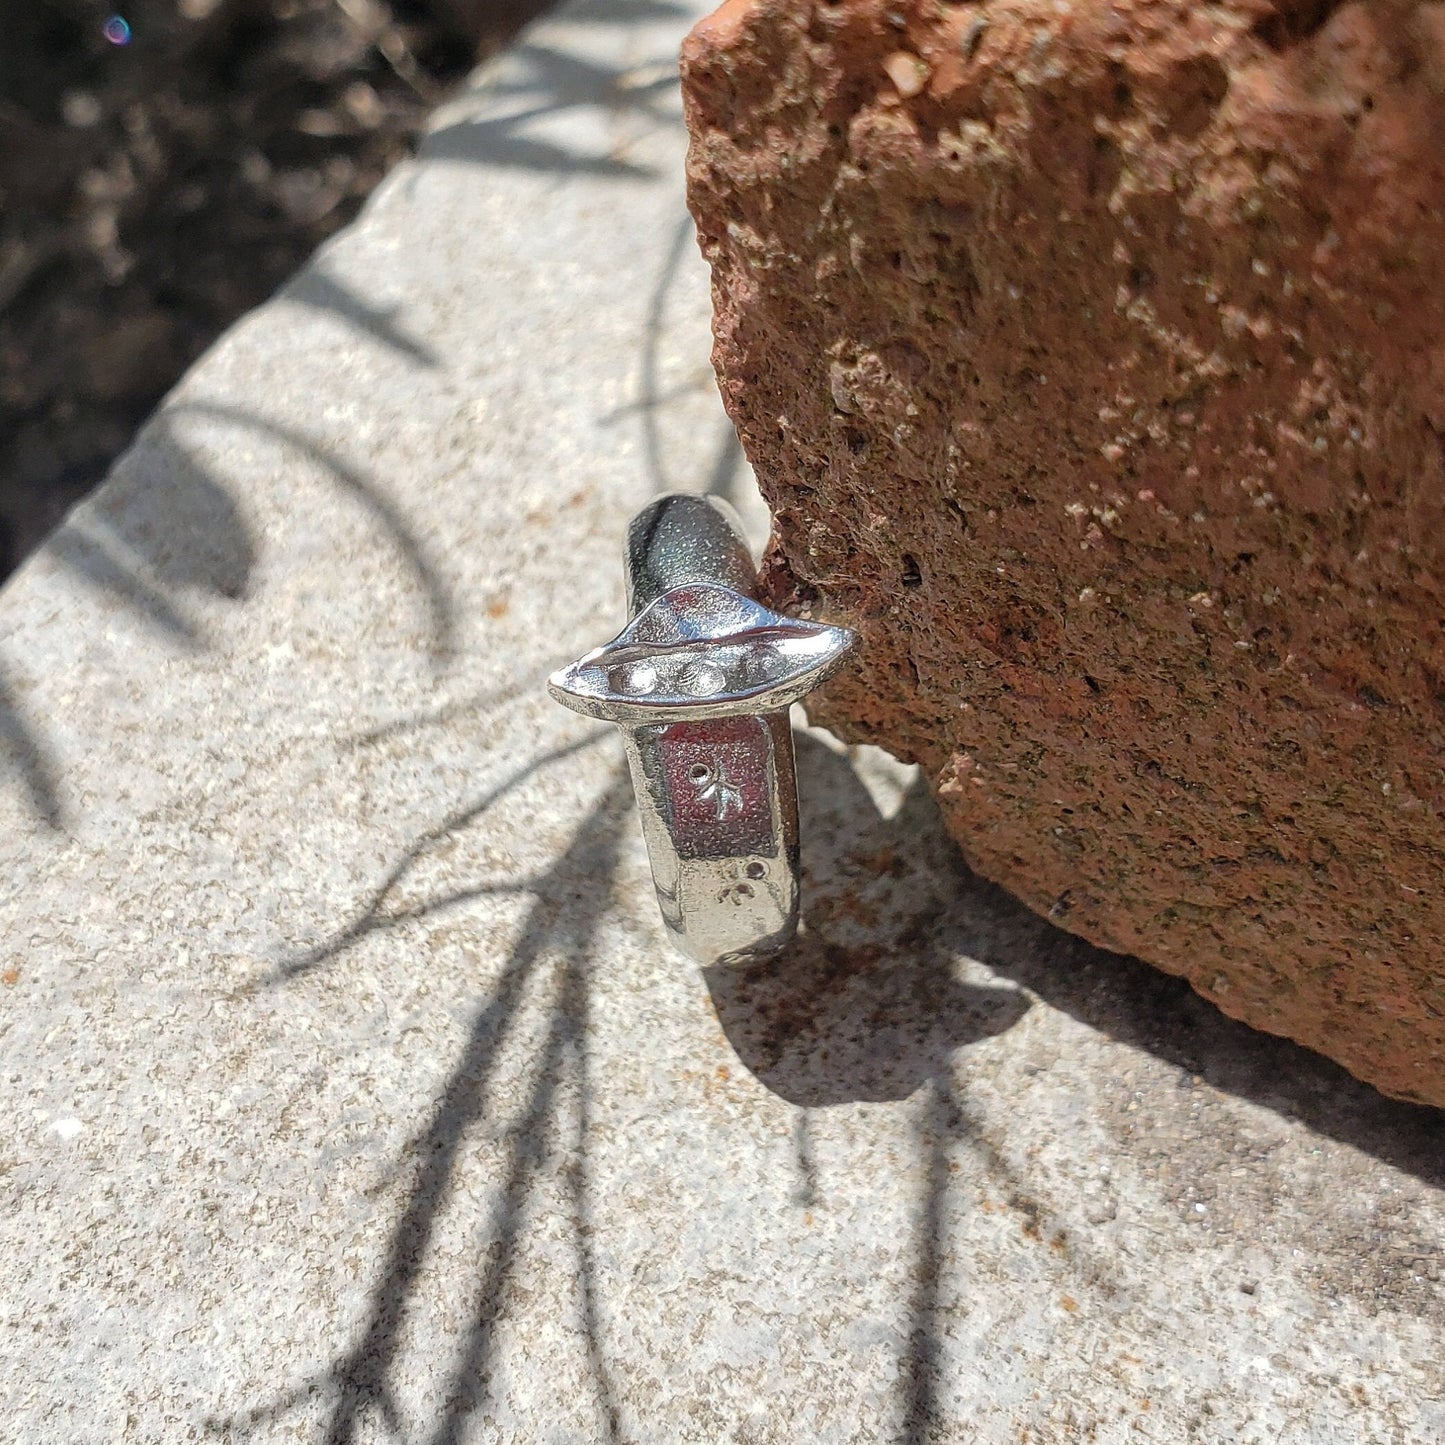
(700, 681)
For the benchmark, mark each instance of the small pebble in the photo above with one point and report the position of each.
(81, 109)
(907, 72)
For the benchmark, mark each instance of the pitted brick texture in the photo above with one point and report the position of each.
(1092, 359)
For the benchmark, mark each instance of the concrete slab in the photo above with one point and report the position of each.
(351, 1092)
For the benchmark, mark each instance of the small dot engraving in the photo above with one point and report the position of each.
(701, 678)
(634, 679)
(712, 783)
(736, 893)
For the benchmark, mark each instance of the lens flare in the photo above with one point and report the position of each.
(117, 30)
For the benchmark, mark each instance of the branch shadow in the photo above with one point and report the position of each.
(163, 530)
(921, 1363)
(635, 12)
(1144, 1008)
(323, 292)
(548, 81)
(389, 517)
(31, 757)
(864, 1008)
(652, 398)
(725, 474)
(486, 142)
(372, 916)
(446, 713)
(593, 857)
(570, 898)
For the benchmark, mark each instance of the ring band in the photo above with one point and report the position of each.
(700, 681)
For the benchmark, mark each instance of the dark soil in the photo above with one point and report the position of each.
(162, 170)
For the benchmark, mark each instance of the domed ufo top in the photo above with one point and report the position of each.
(701, 651)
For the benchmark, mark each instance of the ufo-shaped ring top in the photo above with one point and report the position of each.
(701, 651)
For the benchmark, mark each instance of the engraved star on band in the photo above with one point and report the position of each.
(700, 681)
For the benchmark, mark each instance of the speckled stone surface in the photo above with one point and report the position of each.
(350, 1090)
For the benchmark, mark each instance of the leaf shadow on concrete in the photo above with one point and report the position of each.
(866, 1008)
(724, 473)
(163, 531)
(543, 80)
(28, 750)
(166, 531)
(388, 513)
(558, 935)
(321, 291)
(921, 906)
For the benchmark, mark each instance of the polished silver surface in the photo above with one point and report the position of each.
(679, 539)
(700, 681)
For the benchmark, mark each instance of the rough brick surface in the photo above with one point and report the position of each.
(1092, 359)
